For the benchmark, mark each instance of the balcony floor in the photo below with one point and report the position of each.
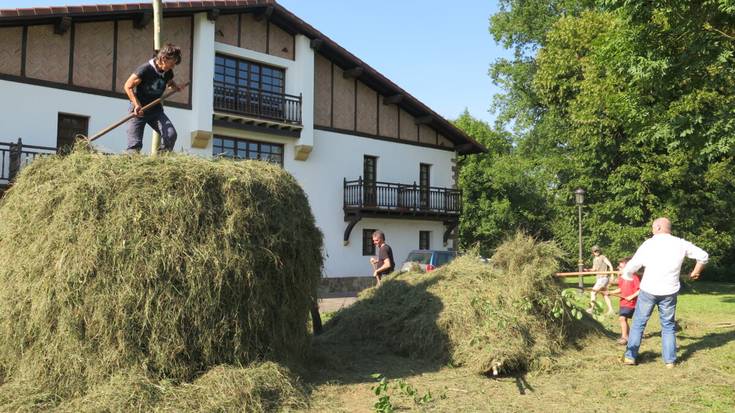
(231, 120)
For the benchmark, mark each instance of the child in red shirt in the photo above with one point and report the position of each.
(628, 291)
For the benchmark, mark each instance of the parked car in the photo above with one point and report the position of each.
(426, 260)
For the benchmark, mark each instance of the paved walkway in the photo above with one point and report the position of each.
(334, 301)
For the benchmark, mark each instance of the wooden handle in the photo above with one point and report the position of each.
(576, 273)
(131, 115)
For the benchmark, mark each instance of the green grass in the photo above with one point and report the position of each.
(588, 377)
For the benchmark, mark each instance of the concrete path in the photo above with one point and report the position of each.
(331, 302)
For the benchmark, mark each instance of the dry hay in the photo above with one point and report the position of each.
(501, 317)
(261, 387)
(165, 267)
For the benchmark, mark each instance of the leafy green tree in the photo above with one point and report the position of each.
(501, 192)
(632, 101)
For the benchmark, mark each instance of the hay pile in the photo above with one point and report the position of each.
(501, 317)
(261, 387)
(159, 268)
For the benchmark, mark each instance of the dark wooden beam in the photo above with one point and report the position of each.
(351, 220)
(450, 226)
(353, 73)
(464, 148)
(62, 25)
(393, 99)
(142, 20)
(265, 13)
(213, 14)
(316, 44)
(424, 120)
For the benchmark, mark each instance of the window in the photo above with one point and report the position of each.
(368, 248)
(424, 240)
(247, 149)
(424, 184)
(69, 126)
(444, 257)
(244, 74)
(246, 87)
(369, 173)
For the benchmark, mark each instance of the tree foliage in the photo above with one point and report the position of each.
(632, 101)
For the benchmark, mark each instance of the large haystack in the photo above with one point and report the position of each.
(168, 265)
(500, 317)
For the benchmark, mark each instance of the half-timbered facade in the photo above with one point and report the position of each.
(264, 85)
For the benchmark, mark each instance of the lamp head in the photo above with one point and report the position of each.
(579, 196)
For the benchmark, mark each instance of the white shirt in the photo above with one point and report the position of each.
(662, 256)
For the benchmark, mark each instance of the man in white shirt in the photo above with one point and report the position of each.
(662, 255)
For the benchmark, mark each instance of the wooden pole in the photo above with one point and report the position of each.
(582, 273)
(157, 20)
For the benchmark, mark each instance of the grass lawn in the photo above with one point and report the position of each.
(587, 377)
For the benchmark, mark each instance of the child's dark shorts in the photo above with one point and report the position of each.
(627, 312)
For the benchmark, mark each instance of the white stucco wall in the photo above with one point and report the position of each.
(337, 156)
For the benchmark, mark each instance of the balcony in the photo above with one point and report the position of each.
(277, 111)
(16, 155)
(363, 199)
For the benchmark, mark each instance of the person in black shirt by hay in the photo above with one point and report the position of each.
(384, 263)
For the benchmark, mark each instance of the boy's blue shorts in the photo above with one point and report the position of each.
(627, 312)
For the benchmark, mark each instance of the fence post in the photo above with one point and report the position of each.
(15, 154)
(301, 103)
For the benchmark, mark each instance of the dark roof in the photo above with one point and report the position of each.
(169, 7)
(278, 15)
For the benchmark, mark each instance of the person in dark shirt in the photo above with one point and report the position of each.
(384, 263)
(145, 85)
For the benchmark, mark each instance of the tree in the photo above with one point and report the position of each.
(632, 101)
(501, 192)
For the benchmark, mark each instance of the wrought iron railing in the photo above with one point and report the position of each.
(253, 102)
(386, 196)
(15, 155)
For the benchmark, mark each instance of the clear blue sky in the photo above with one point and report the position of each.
(436, 50)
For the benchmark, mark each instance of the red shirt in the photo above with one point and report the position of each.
(628, 287)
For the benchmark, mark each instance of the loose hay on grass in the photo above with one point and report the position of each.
(506, 316)
(167, 266)
(260, 387)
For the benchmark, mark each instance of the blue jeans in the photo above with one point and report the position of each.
(160, 123)
(667, 314)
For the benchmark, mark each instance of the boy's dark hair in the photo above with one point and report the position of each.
(170, 51)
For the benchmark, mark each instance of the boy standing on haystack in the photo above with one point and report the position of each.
(600, 264)
(145, 85)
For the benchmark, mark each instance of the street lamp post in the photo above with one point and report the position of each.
(579, 200)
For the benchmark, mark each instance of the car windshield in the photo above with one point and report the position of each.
(419, 257)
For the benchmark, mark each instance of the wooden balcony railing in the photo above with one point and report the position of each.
(261, 104)
(360, 195)
(15, 155)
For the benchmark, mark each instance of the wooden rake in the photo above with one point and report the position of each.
(131, 115)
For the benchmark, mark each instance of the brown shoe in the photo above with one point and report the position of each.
(628, 362)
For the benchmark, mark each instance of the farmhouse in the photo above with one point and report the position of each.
(264, 85)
